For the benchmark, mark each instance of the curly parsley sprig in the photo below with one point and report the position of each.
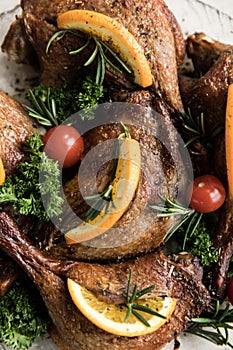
(52, 106)
(21, 319)
(35, 178)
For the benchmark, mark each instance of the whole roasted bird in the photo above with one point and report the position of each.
(181, 280)
(152, 24)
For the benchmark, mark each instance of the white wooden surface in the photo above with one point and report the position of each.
(213, 17)
(223, 5)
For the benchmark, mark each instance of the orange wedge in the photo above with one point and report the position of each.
(229, 139)
(2, 173)
(111, 317)
(113, 33)
(123, 189)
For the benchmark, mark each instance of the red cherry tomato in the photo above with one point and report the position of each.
(230, 290)
(207, 194)
(64, 144)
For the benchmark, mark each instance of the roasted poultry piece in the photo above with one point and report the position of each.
(70, 328)
(204, 52)
(206, 92)
(151, 23)
(9, 273)
(162, 173)
(16, 127)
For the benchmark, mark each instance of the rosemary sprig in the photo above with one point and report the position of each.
(101, 204)
(80, 49)
(56, 36)
(102, 52)
(197, 127)
(193, 234)
(43, 110)
(195, 220)
(132, 306)
(125, 132)
(170, 207)
(214, 328)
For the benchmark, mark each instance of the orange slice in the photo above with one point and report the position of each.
(113, 33)
(2, 173)
(123, 189)
(110, 317)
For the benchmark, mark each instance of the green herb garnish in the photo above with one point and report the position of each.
(214, 328)
(43, 108)
(170, 207)
(191, 231)
(197, 127)
(21, 319)
(102, 52)
(200, 244)
(102, 202)
(133, 306)
(34, 178)
(52, 106)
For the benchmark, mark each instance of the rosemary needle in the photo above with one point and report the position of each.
(102, 52)
(216, 327)
(197, 128)
(131, 302)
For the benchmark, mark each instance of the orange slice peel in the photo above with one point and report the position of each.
(123, 190)
(111, 317)
(2, 173)
(113, 33)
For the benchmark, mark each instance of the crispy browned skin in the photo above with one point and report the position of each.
(162, 174)
(224, 243)
(213, 62)
(15, 128)
(204, 51)
(17, 46)
(9, 273)
(208, 94)
(71, 328)
(213, 72)
(152, 24)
